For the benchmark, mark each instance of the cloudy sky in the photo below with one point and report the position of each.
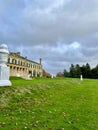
(61, 32)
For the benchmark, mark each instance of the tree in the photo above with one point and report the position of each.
(72, 71)
(94, 72)
(77, 71)
(46, 74)
(87, 71)
(59, 74)
(66, 73)
(83, 71)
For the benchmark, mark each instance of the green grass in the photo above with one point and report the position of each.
(49, 104)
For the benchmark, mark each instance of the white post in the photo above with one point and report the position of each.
(81, 77)
(52, 76)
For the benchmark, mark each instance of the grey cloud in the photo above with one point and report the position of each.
(48, 26)
(63, 31)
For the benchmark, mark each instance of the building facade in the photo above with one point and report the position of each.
(22, 67)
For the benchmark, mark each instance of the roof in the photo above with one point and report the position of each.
(17, 54)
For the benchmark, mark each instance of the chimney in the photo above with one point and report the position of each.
(40, 61)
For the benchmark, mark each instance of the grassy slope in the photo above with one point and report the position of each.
(49, 104)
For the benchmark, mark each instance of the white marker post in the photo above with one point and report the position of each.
(52, 76)
(81, 77)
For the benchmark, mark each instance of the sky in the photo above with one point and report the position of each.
(61, 32)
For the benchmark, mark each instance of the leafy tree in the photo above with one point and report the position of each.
(66, 73)
(86, 71)
(72, 71)
(75, 71)
(94, 72)
(78, 70)
(59, 74)
(83, 71)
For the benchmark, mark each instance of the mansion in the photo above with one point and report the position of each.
(22, 67)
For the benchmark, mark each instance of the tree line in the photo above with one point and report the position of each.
(76, 70)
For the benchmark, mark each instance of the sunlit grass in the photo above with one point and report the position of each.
(49, 104)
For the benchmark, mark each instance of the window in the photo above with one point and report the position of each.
(8, 60)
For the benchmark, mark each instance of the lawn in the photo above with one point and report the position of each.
(49, 104)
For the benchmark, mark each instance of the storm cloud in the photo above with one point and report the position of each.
(62, 32)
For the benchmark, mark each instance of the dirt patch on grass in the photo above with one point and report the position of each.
(4, 99)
